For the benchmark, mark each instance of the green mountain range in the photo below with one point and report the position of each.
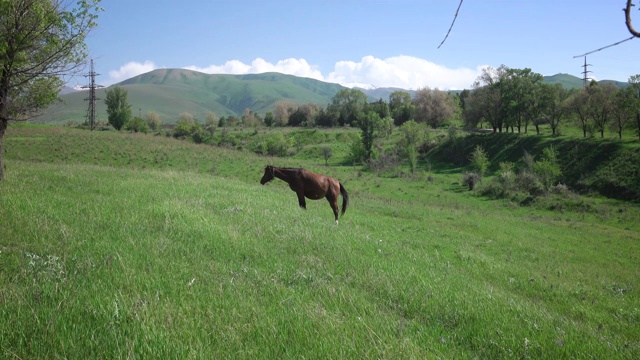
(170, 92)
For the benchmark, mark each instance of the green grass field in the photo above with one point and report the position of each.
(138, 246)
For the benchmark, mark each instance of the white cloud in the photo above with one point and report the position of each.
(291, 66)
(130, 70)
(404, 72)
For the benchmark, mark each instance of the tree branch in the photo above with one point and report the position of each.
(453, 22)
(627, 13)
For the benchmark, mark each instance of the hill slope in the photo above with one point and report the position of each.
(170, 92)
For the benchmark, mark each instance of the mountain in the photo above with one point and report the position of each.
(571, 82)
(170, 92)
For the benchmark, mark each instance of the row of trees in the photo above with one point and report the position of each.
(512, 99)
(503, 99)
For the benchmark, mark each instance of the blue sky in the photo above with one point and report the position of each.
(378, 43)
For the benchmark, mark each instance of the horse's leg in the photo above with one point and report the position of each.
(301, 201)
(333, 201)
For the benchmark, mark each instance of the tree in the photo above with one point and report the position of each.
(118, 108)
(269, 119)
(520, 98)
(137, 124)
(623, 110)
(413, 135)
(373, 127)
(434, 107)
(400, 106)
(486, 101)
(326, 153)
(153, 120)
(601, 104)
(348, 104)
(40, 41)
(634, 80)
(578, 104)
(185, 126)
(211, 122)
(554, 105)
(282, 111)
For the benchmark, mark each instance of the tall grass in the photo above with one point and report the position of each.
(110, 260)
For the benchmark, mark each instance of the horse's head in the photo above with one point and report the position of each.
(268, 175)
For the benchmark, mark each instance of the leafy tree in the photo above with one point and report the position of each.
(348, 104)
(400, 107)
(282, 111)
(635, 84)
(548, 168)
(137, 124)
(486, 100)
(326, 154)
(118, 108)
(373, 127)
(40, 40)
(310, 113)
(326, 118)
(434, 107)
(518, 87)
(601, 104)
(211, 122)
(554, 105)
(250, 119)
(185, 126)
(413, 135)
(380, 107)
(624, 108)
(480, 161)
(269, 119)
(153, 120)
(578, 104)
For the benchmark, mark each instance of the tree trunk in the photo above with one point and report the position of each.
(3, 128)
(638, 121)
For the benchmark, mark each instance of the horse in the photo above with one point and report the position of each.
(310, 185)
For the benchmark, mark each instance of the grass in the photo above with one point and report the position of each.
(105, 258)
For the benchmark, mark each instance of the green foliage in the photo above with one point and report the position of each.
(548, 168)
(137, 124)
(479, 161)
(153, 120)
(118, 107)
(39, 41)
(277, 145)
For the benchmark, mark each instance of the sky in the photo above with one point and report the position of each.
(374, 43)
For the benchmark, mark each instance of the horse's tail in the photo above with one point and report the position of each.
(345, 198)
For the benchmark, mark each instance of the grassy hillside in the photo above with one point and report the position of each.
(170, 92)
(123, 245)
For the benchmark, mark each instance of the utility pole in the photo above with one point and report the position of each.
(91, 111)
(585, 72)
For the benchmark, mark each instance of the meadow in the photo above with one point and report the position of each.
(118, 245)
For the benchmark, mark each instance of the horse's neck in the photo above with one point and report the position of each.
(285, 174)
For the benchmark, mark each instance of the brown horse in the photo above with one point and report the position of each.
(311, 185)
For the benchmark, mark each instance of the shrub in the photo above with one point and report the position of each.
(530, 183)
(471, 179)
(479, 161)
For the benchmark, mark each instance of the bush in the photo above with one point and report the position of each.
(479, 161)
(530, 183)
(471, 179)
